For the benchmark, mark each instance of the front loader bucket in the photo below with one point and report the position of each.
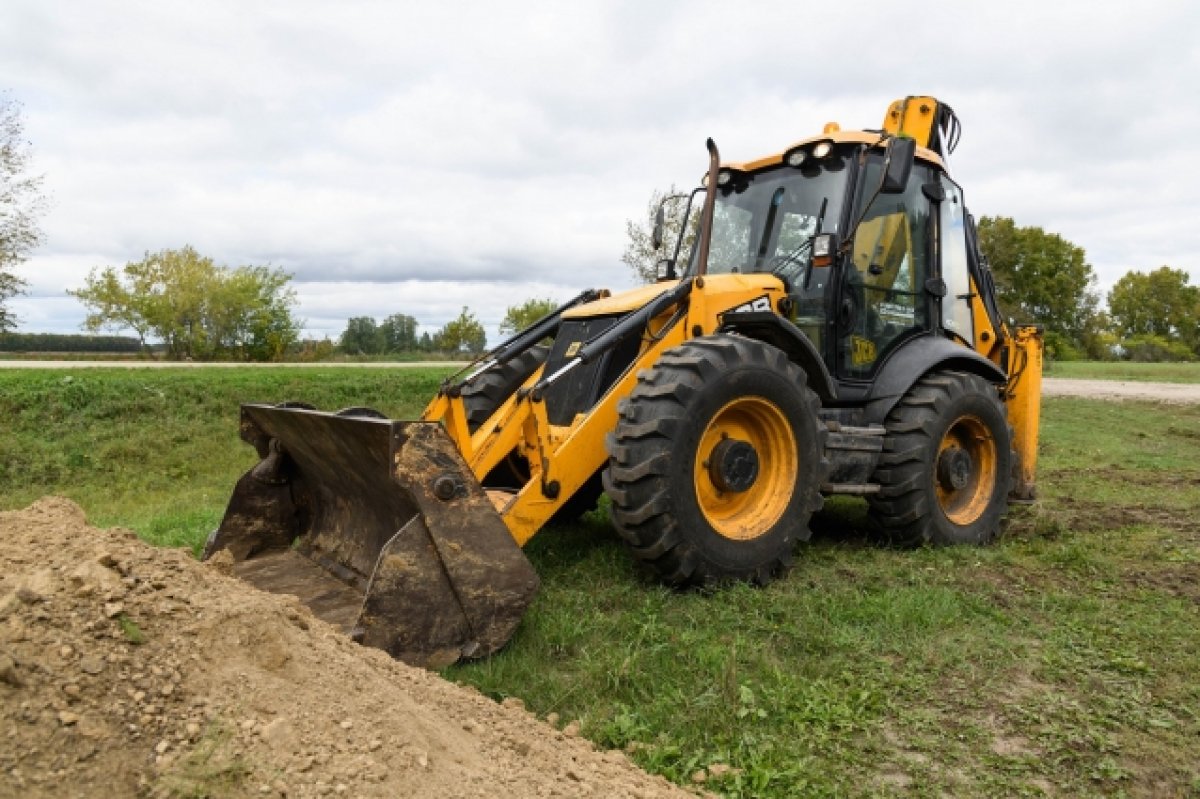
(380, 527)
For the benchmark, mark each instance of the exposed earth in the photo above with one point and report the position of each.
(1178, 393)
(129, 670)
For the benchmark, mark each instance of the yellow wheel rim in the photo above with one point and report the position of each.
(746, 514)
(964, 472)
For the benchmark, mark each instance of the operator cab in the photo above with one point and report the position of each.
(902, 273)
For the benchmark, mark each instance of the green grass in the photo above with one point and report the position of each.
(133, 634)
(1060, 661)
(1124, 370)
(158, 450)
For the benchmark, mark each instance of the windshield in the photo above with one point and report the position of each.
(765, 221)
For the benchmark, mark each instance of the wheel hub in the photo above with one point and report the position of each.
(733, 465)
(954, 468)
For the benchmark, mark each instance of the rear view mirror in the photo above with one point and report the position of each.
(656, 236)
(897, 164)
(665, 269)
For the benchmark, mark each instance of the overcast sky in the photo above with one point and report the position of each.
(416, 157)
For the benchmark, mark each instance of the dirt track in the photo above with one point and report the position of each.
(127, 670)
(1177, 393)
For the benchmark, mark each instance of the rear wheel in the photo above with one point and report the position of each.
(946, 469)
(716, 462)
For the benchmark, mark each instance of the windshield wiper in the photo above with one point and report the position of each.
(779, 262)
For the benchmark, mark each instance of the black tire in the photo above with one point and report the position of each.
(487, 393)
(668, 503)
(929, 492)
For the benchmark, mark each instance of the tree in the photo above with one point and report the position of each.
(21, 203)
(519, 317)
(463, 334)
(645, 261)
(640, 255)
(195, 307)
(361, 337)
(398, 333)
(1160, 303)
(1040, 277)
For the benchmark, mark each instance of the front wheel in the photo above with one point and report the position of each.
(716, 462)
(947, 464)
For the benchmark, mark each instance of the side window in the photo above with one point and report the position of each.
(883, 297)
(730, 243)
(956, 305)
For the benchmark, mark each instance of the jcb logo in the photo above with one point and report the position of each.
(762, 303)
(573, 348)
(862, 350)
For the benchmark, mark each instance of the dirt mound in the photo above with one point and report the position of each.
(130, 670)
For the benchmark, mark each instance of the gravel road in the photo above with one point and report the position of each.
(1178, 393)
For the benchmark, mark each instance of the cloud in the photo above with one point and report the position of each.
(488, 151)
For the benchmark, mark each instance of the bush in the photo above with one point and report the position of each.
(1149, 347)
(1061, 348)
(56, 342)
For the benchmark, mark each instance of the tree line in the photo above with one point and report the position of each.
(1042, 278)
(21, 203)
(397, 335)
(66, 342)
(463, 335)
(197, 308)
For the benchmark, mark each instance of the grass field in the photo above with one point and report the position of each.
(1060, 661)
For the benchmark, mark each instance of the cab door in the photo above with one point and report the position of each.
(882, 299)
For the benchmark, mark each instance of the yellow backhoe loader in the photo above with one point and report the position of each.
(830, 329)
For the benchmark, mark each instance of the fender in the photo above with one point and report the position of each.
(770, 328)
(913, 361)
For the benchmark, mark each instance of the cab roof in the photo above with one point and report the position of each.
(837, 137)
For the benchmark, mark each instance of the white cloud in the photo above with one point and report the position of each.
(483, 153)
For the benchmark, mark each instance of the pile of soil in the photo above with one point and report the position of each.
(129, 670)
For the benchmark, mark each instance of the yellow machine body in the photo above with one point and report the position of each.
(732, 396)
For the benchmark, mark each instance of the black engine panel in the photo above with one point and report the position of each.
(579, 389)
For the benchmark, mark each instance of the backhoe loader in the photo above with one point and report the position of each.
(829, 328)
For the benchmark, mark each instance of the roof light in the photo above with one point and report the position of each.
(723, 177)
(822, 149)
(795, 158)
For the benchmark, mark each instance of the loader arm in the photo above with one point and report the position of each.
(563, 457)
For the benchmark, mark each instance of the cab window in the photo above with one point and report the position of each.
(882, 300)
(956, 305)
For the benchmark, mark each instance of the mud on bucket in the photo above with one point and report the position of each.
(380, 527)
